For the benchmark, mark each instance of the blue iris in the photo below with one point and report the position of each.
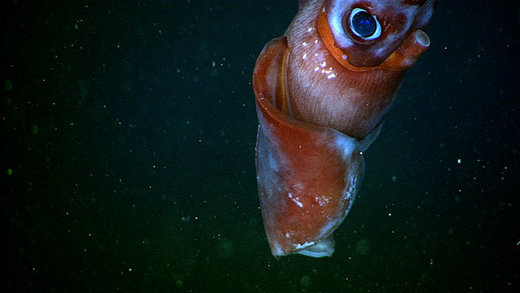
(363, 24)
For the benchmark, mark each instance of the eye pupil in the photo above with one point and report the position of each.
(363, 24)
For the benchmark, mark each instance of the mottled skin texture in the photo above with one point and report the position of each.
(321, 97)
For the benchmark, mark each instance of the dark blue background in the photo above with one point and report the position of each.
(130, 126)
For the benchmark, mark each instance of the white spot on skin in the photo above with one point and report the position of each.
(295, 200)
(304, 57)
(302, 246)
(329, 71)
(322, 200)
(324, 247)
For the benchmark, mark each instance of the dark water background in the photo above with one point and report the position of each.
(128, 133)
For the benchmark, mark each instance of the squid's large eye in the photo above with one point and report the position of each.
(364, 25)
